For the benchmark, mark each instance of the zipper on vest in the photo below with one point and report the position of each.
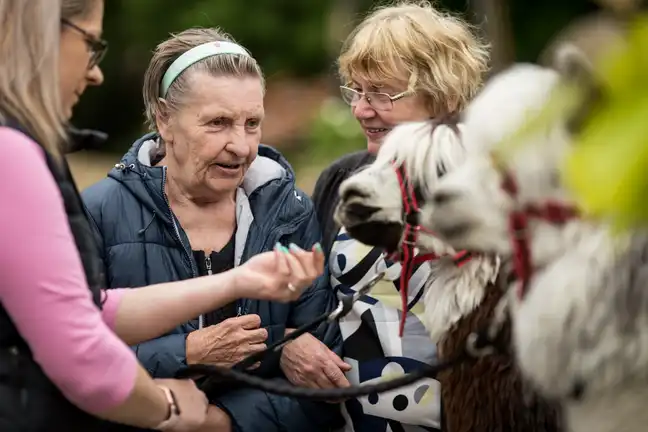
(208, 267)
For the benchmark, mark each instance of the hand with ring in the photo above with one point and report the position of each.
(280, 275)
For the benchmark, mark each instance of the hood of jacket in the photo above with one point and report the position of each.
(146, 182)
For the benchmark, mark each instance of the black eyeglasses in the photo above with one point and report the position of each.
(96, 46)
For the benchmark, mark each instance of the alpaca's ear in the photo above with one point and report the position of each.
(574, 66)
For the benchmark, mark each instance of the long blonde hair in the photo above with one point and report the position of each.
(29, 70)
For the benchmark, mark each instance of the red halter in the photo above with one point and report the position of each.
(552, 212)
(406, 254)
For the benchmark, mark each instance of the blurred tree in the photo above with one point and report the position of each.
(494, 17)
(290, 38)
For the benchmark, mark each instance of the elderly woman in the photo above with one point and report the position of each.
(405, 62)
(199, 195)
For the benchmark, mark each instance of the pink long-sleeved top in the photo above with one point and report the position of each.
(44, 290)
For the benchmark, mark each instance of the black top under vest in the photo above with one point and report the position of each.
(217, 262)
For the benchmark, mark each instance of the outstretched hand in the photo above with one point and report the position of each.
(280, 275)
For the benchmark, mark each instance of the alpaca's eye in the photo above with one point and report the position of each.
(554, 179)
(440, 169)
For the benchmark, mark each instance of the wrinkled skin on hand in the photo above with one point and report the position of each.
(226, 343)
(307, 362)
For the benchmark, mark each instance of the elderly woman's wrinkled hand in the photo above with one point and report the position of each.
(280, 275)
(307, 362)
(227, 342)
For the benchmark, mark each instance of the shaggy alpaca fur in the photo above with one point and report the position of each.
(488, 394)
(583, 324)
(484, 395)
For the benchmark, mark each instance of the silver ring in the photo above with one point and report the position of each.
(291, 287)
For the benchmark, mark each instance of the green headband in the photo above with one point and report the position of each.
(196, 54)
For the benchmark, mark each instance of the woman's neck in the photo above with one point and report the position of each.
(196, 197)
(209, 224)
(184, 201)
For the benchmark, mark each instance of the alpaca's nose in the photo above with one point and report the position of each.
(578, 390)
(443, 197)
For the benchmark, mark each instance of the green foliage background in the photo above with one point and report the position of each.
(290, 38)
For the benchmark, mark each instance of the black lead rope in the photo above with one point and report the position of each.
(282, 388)
(345, 306)
(216, 374)
(479, 344)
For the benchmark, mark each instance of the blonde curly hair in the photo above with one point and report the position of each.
(435, 53)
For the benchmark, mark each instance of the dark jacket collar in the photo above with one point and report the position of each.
(146, 182)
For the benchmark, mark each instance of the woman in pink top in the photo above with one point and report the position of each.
(64, 358)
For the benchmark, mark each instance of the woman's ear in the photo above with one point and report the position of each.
(163, 121)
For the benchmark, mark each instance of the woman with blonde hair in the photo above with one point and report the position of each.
(404, 62)
(64, 361)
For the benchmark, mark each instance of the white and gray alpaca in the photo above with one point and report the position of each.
(584, 321)
(484, 394)
(371, 209)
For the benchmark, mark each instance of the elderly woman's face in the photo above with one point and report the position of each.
(214, 135)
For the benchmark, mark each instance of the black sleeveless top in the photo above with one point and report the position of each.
(28, 399)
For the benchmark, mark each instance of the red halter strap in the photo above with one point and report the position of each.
(551, 212)
(406, 254)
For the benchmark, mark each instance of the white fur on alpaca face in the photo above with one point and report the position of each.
(374, 187)
(475, 217)
(471, 209)
(373, 195)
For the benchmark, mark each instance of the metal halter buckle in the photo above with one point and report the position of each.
(341, 308)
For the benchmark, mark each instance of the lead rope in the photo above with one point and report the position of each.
(344, 307)
(478, 344)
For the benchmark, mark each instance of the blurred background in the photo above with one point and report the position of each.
(296, 43)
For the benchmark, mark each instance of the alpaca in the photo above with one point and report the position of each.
(484, 394)
(580, 329)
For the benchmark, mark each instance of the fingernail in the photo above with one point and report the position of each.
(293, 247)
(278, 246)
(318, 247)
(284, 249)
